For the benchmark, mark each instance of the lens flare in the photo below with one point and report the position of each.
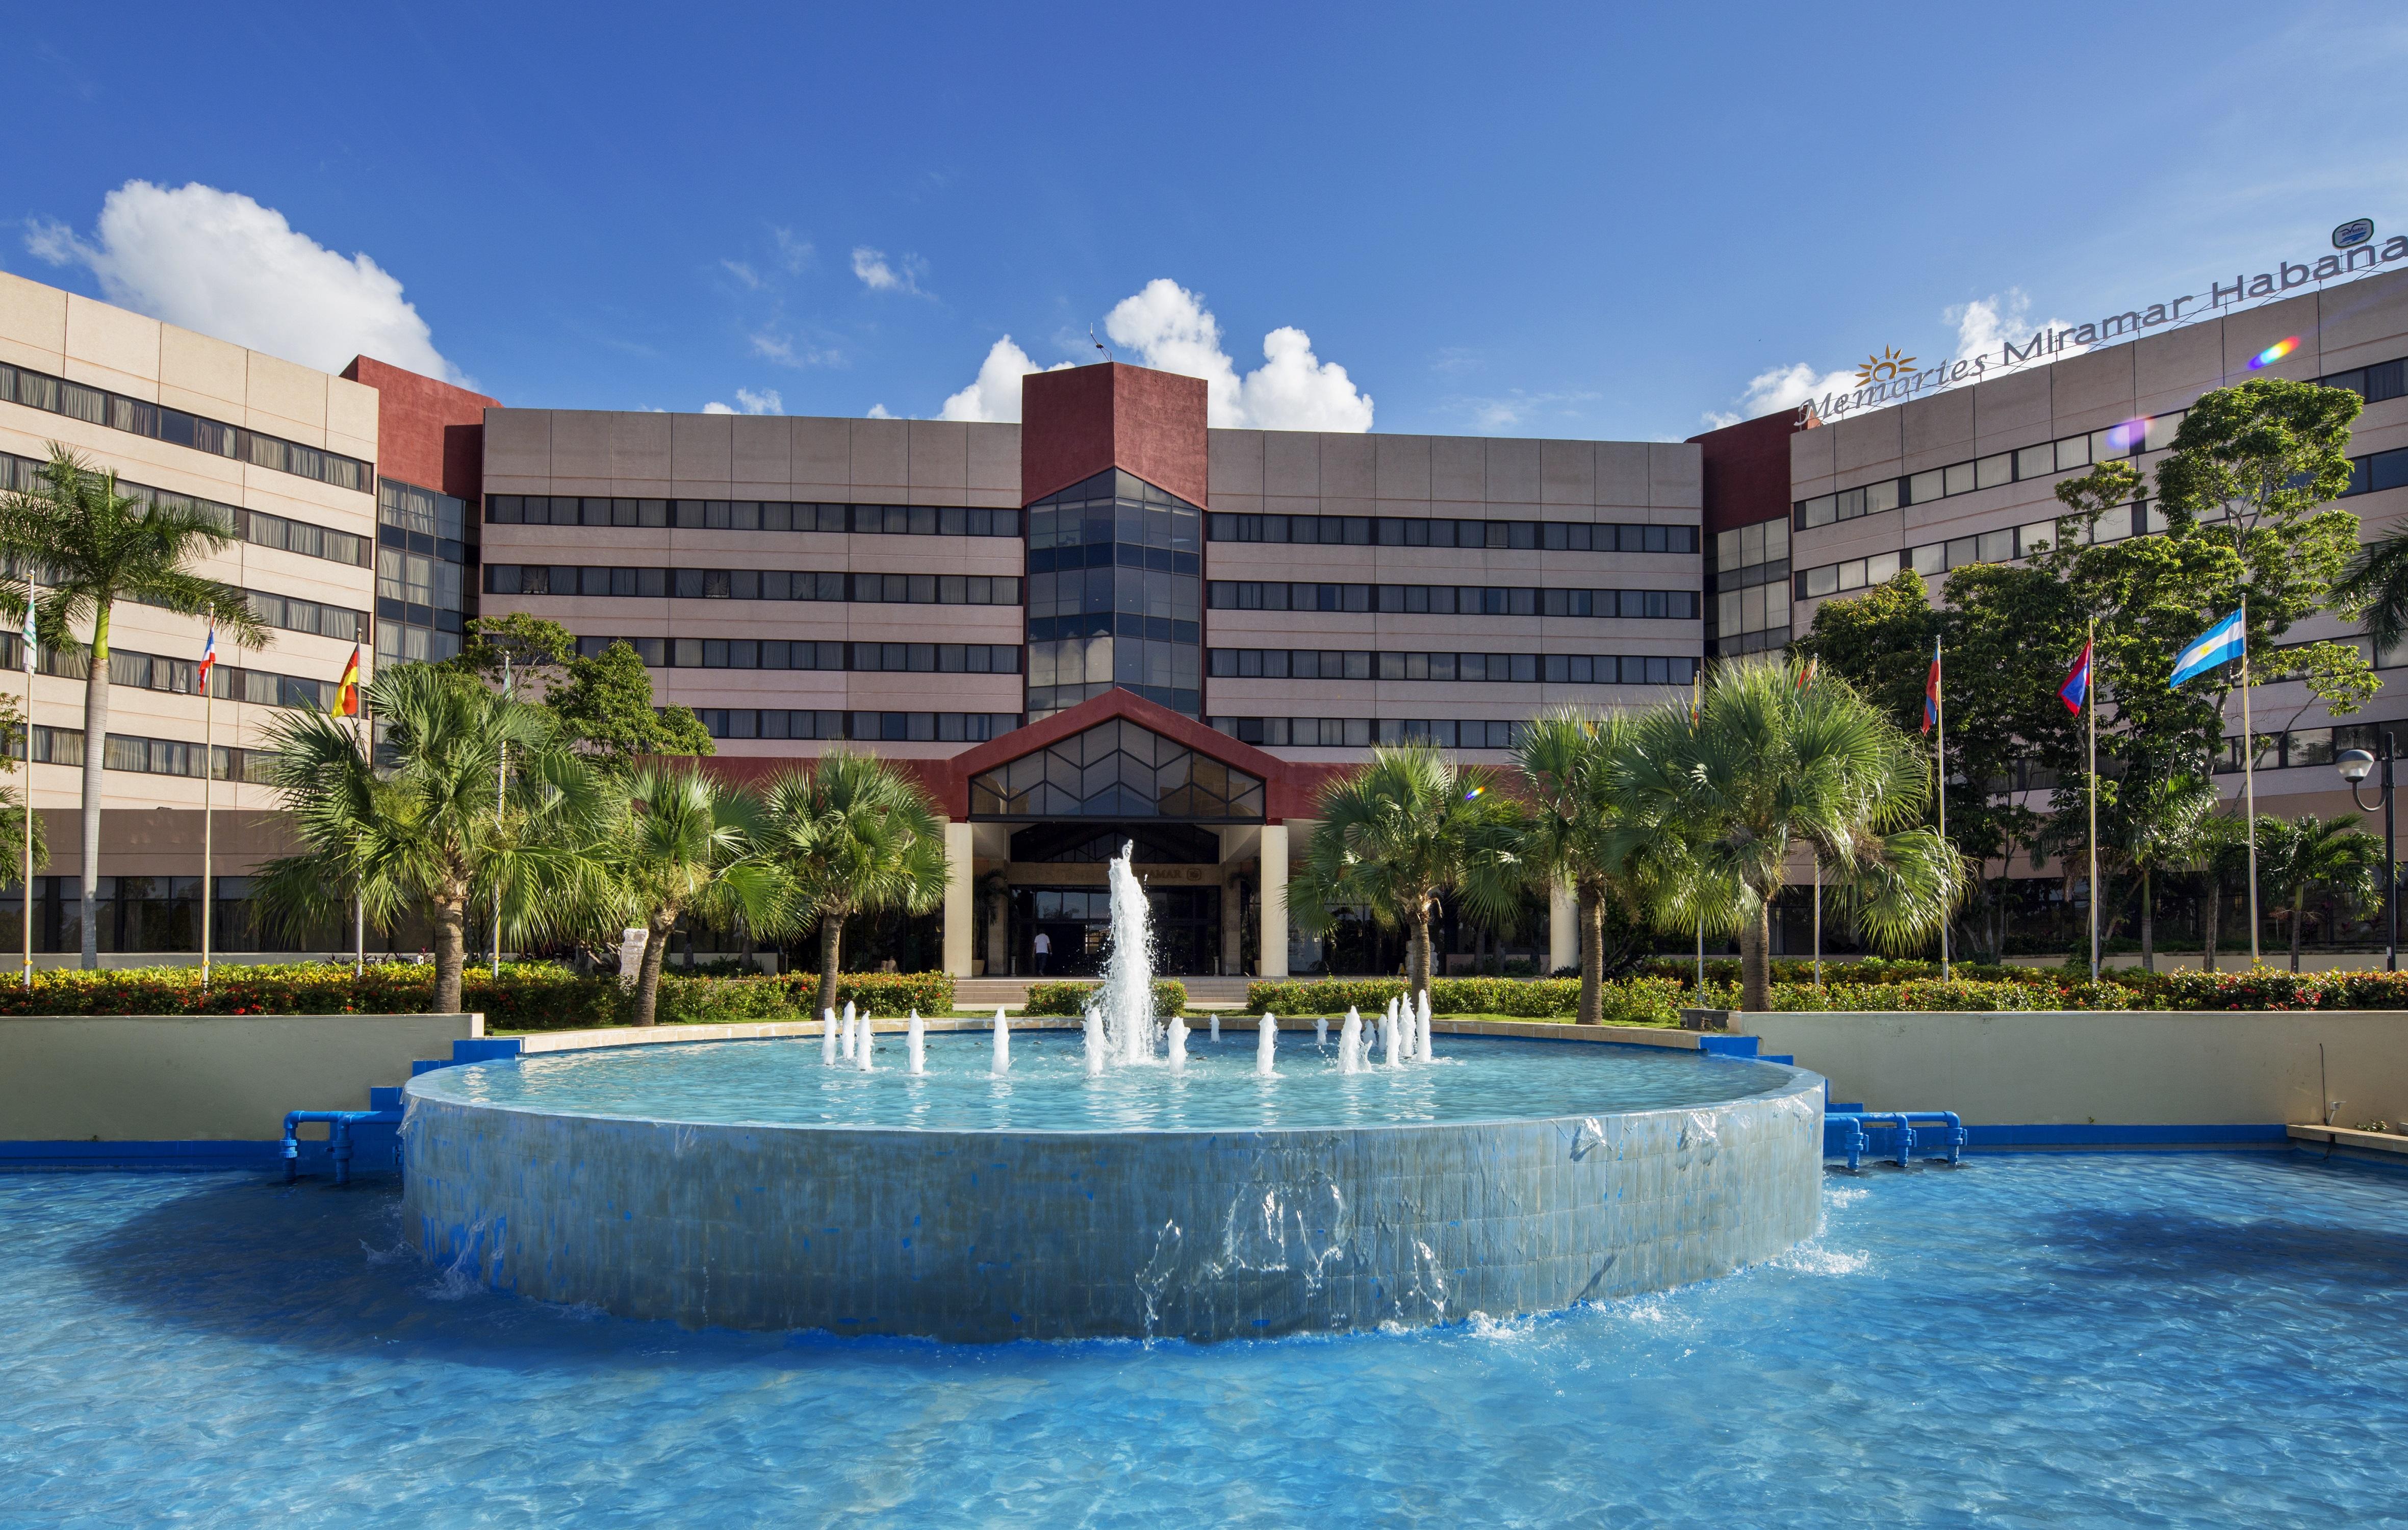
(2128, 436)
(2274, 352)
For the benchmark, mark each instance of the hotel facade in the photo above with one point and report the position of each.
(1107, 623)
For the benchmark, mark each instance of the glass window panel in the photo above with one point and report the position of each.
(2073, 452)
(1992, 471)
(1880, 569)
(1924, 487)
(1879, 496)
(1959, 478)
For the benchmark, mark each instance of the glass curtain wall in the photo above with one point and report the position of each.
(426, 573)
(1115, 591)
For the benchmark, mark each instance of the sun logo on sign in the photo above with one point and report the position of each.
(1884, 366)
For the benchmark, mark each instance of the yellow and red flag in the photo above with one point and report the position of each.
(346, 691)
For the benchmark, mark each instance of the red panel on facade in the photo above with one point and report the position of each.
(1746, 471)
(1079, 421)
(428, 433)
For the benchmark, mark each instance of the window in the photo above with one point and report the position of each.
(38, 391)
(1117, 769)
(1415, 531)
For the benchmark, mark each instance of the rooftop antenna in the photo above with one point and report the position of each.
(1100, 346)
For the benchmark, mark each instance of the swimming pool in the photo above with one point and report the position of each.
(2094, 1339)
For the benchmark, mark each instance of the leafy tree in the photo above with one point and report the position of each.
(1401, 831)
(2309, 851)
(852, 835)
(93, 547)
(1772, 761)
(13, 801)
(684, 843)
(603, 701)
(432, 825)
(2152, 824)
(1576, 835)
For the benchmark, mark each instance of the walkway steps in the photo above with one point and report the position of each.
(2343, 1136)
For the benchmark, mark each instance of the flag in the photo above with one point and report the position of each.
(26, 636)
(1931, 692)
(2077, 683)
(2222, 641)
(1806, 676)
(208, 657)
(346, 691)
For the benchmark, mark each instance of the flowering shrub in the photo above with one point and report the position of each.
(1070, 998)
(1536, 999)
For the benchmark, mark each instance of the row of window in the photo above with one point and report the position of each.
(141, 914)
(1759, 608)
(2048, 458)
(749, 515)
(291, 613)
(1306, 664)
(1363, 732)
(2384, 380)
(762, 654)
(151, 756)
(257, 527)
(178, 676)
(751, 584)
(1451, 600)
(910, 727)
(99, 406)
(1425, 531)
(413, 511)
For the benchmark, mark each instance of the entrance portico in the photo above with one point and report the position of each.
(1036, 814)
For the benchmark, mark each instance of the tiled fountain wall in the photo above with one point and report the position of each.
(982, 1236)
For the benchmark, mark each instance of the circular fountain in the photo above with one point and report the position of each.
(1125, 1178)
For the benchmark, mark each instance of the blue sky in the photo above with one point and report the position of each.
(1583, 221)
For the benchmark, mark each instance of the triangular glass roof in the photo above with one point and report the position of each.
(1118, 770)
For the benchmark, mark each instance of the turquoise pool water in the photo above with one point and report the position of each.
(1047, 1087)
(2042, 1340)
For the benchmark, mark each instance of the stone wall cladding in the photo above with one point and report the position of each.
(984, 1236)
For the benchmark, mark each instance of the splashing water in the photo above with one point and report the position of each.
(849, 1036)
(1267, 1048)
(827, 1039)
(1178, 1044)
(1423, 1047)
(862, 1047)
(1350, 1042)
(1123, 1002)
(1321, 1030)
(918, 1038)
(1002, 1063)
(1091, 1036)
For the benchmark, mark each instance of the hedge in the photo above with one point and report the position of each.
(529, 997)
(1070, 998)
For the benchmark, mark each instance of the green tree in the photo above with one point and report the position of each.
(434, 826)
(604, 701)
(2153, 825)
(1576, 835)
(2220, 849)
(682, 843)
(93, 547)
(1772, 762)
(2310, 851)
(1403, 831)
(853, 835)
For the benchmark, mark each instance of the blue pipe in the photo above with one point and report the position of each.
(1956, 1134)
(339, 1138)
(1859, 1121)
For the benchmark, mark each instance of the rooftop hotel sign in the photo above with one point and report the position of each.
(1885, 380)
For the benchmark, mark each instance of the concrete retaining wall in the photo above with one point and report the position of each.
(174, 1078)
(2086, 1068)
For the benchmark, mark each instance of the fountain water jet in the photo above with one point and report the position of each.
(1002, 1061)
(827, 1039)
(1321, 1030)
(1178, 1044)
(1091, 1036)
(1422, 1048)
(918, 1036)
(1350, 1042)
(1266, 1046)
(861, 1050)
(1123, 1004)
(848, 1038)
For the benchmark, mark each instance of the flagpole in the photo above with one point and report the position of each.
(1940, 779)
(2249, 780)
(208, 772)
(2090, 696)
(1818, 920)
(501, 789)
(26, 883)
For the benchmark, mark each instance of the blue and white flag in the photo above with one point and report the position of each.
(25, 636)
(2212, 647)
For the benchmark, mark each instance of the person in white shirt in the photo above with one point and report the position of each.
(1044, 950)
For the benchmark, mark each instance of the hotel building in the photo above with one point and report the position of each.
(1108, 624)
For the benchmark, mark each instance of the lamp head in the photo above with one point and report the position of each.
(2354, 764)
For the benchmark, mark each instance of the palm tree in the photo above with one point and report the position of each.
(2220, 847)
(852, 836)
(2375, 589)
(1771, 759)
(431, 826)
(1577, 834)
(1399, 833)
(682, 842)
(2309, 851)
(92, 547)
(2154, 825)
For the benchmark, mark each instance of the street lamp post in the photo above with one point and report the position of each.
(2355, 765)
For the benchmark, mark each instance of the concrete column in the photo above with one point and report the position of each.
(1274, 900)
(1563, 927)
(960, 911)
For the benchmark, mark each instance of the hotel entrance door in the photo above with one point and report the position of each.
(1078, 926)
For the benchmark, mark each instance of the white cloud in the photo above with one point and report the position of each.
(219, 263)
(785, 352)
(1783, 388)
(1170, 329)
(1985, 327)
(879, 275)
(765, 402)
(792, 254)
(714, 406)
(877, 412)
(994, 394)
(743, 273)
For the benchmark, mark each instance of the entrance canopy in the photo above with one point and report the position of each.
(1118, 769)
